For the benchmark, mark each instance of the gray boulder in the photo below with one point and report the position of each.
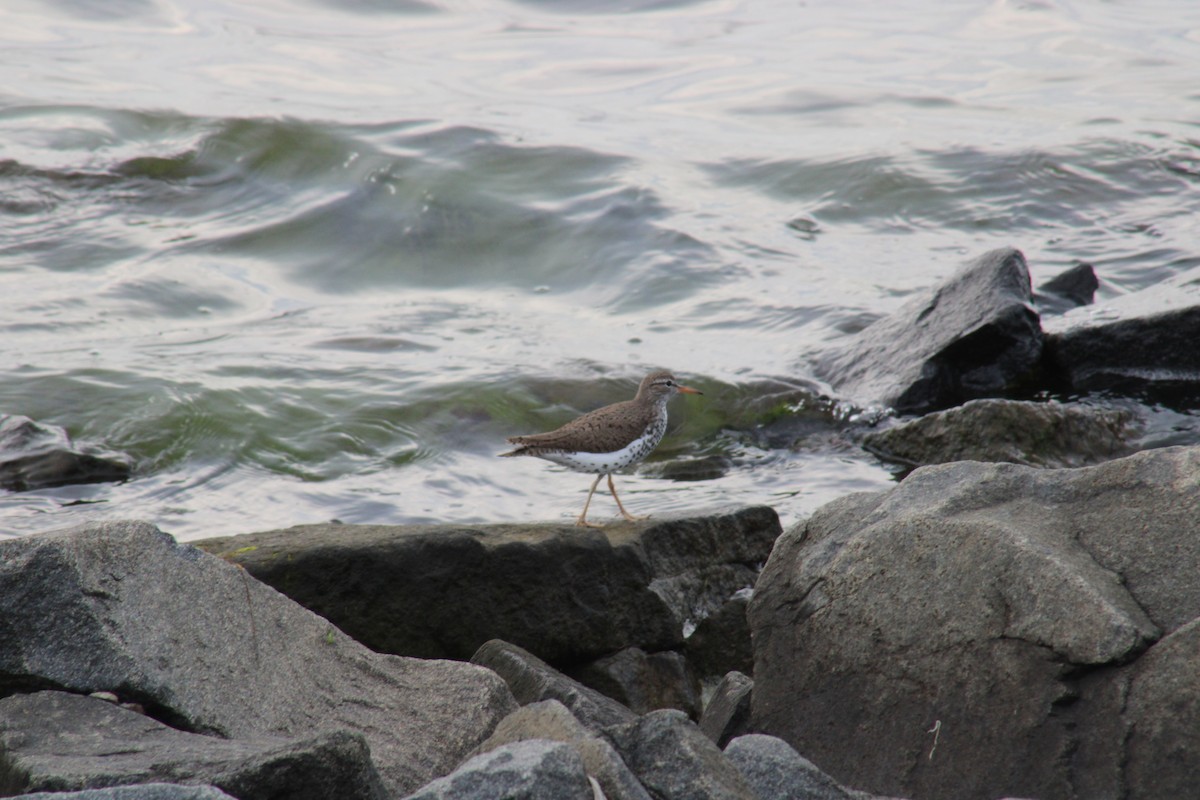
(54, 741)
(728, 712)
(565, 593)
(775, 771)
(1143, 343)
(142, 791)
(976, 335)
(643, 681)
(122, 608)
(990, 629)
(38, 456)
(550, 719)
(532, 680)
(527, 770)
(675, 761)
(1035, 434)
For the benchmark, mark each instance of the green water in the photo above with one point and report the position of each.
(305, 261)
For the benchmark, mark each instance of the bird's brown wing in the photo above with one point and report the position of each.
(600, 431)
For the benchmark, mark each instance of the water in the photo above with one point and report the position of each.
(315, 260)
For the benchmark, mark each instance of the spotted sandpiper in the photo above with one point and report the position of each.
(610, 438)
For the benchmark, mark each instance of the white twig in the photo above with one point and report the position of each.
(936, 730)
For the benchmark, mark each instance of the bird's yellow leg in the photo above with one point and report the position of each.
(613, 489)
(582, 521)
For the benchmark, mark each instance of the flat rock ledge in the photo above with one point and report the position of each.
(567, 594)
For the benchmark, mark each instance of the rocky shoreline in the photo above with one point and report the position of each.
(1018, 617)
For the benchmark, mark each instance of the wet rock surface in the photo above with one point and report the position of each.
(38, 456)
(975, 335)
(1035, 434)
(1141, 344)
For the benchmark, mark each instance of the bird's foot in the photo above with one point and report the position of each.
(583, 523)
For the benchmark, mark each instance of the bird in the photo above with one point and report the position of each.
(608, 439)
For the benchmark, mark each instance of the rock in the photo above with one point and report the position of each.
(1034, 434)
(989, 629)
(643, 681)
(54, 741)
(721, 641)
(1071, 288)
(728, 712)
(565, 593)
(675, 761)
(1163, 716)
(120, 607)
(37, 456)
(531, 680)
(974, 336)
(550, 719)
(1141, 344)
(142, 791)
(529, 770)
(775, 771)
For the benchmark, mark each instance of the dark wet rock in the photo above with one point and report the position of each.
(1068, 289)
(142, 791)
(567, 594)
(721, 641)
(643, 681)
(1035, 434)
(550, 719)
(54, 741)
(728, 711)
(37, 456)
(529, 770)
(531, 680)
(974, 336)
(992, 629)
(675, 761)
(120, 607)
(775, 771)
(1141, 344)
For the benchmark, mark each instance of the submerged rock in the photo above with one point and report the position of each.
(992, 629)
(1069, 289)
(54, 741)
(976, 335)
(1035, 434)
(121, 607)
(565, 593)
(38, 456)
(1141, 344)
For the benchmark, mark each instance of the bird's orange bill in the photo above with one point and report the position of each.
(687, 389)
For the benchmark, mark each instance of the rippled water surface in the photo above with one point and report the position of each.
(315, 260)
